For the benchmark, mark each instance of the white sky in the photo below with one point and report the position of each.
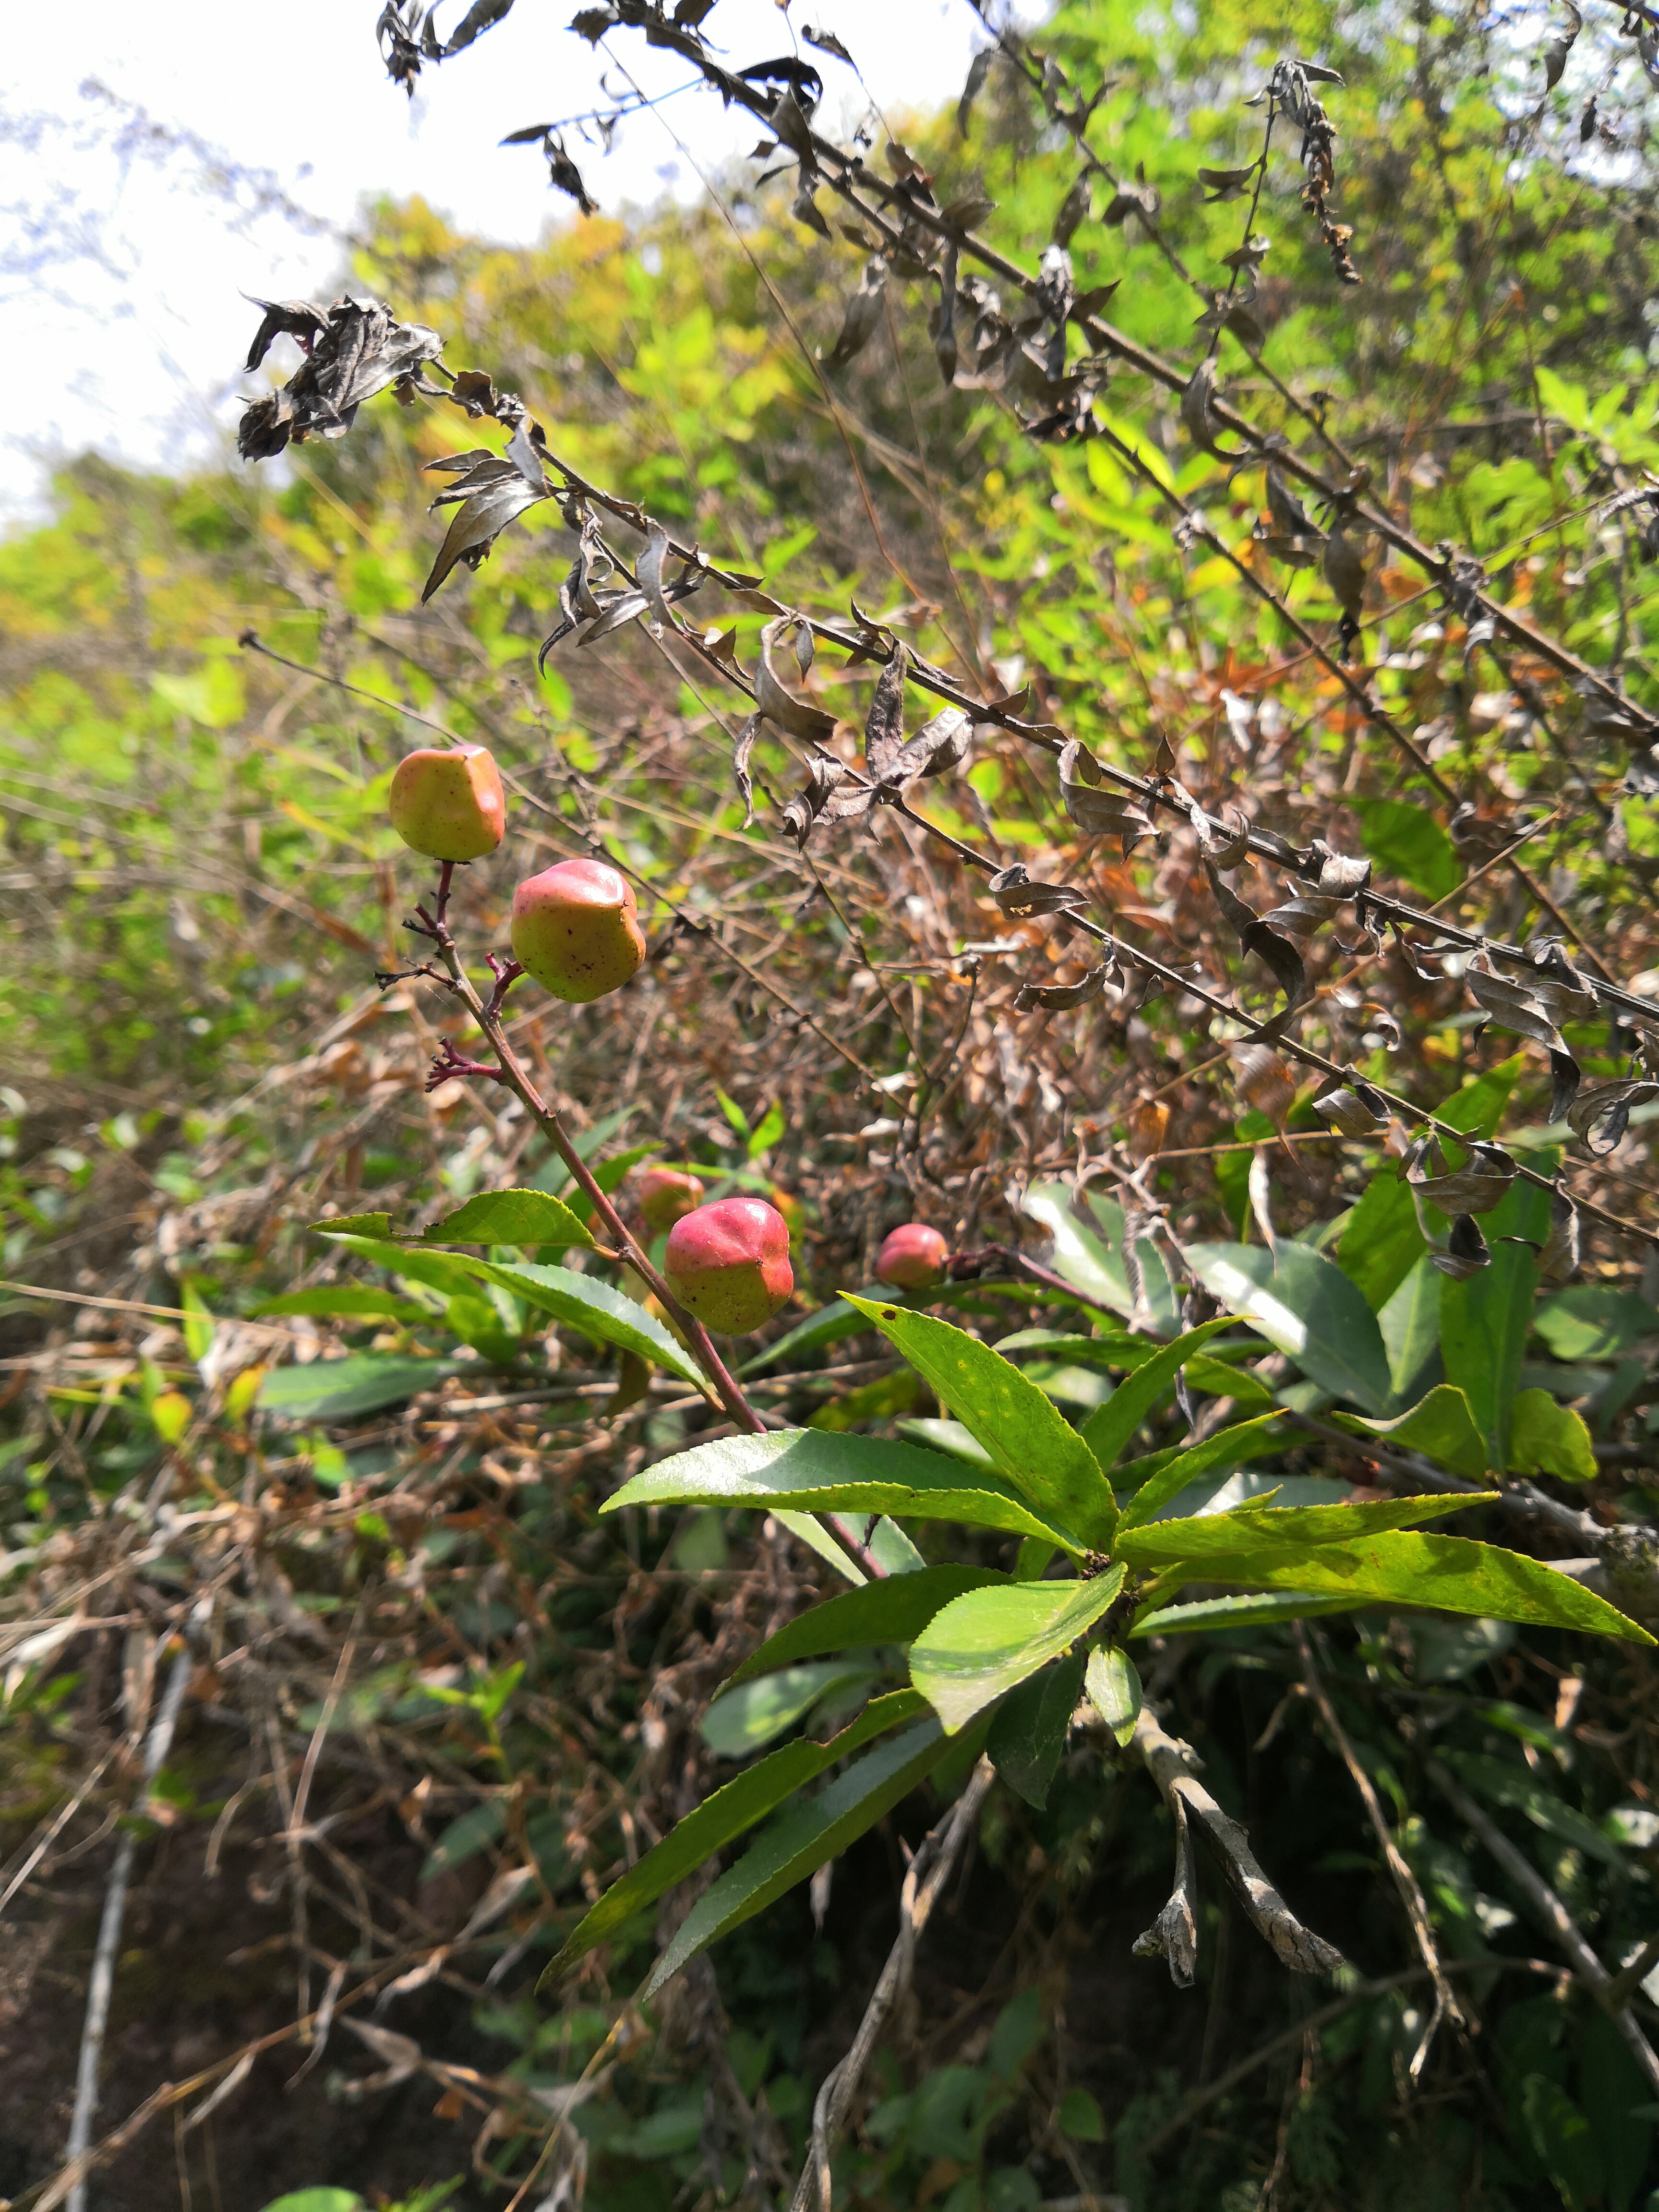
(121, 323)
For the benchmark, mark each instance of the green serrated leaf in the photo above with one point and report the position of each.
(1030, 1441)
(1168, 1473)
(729, 1812)
(510, 1217)
(593, 1307)
(816, 1471)
(1254, 1612)
(1440, 1425)
(1029, 1729)
(1276, 1529)
(1111, 1428)
(895, 1611)
(377, 1226)
(1113, 1683)
(743, 1720)
(801, 1841)
(1450, 1574)
(1545, 1438)
(985, 1642)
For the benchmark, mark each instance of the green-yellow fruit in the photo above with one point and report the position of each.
(575, 930)
(448, 805)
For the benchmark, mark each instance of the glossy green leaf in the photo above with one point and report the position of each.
(510, 1217)
(1593, 1322)
(450, 1273)
(1410, 1323)
(1485, 1320)
(1256, 1611)
(984, 1643)
(317, 2200)
(1450, 1574)
(1547, 1438)
(815, 1470)
(895, 1611)
(1113, 1682)
(731, 1810)
(1109, 1430)
(341, 1389)
(743, 1720)
(811, 1532)
(1028, 1727)
(345, 1300)
(1174, 1469)
(1440, 1425)
(949, 1438)
(1381, 1241)
(1092, 1257)
(1306, 1308)
(594, 1308)
(1029, 1440)
(800, 1842)
(1275, 1528)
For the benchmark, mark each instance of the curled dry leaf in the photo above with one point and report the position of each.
(809, 723)
(1268, 945)
(1198, 413)
(943, 320)
(1355, 1110)
(977, 69)
(1600, 1117)
(1558, 1257)
(1018, 896)
(822, 797)
(1227, 184)
(1467, 1250)
(490, 491)
(357, 348)
(1072, 210)
(1533, 1009)
(1148, 1127)
(742, 746)
(1555, 54)
(1096, 810)
(1263, 1081)
(1476, 1187)
(1060, 998)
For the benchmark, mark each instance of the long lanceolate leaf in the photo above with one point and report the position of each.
(730, 1812)
(1028, 1439)
(895, 1611)
(592, 1307)
(1167, 1474)
(991, 1640)
(802, 1841)
(1112, 1427)
(1275, 1528)
(1448, 1574)
(815, 1470)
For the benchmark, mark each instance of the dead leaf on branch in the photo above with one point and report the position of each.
(811, 724)
(1535, 1010)
(1355, 1110)
(1227, 184)
(1019, 898)
(1198, 413)
(1476, 1187)
(1099, 811)
(1555, 54)
(1255, 936)
(863, 312)
(1558, 1257)
(356, 349)
(1605, 1112)
(742, 746)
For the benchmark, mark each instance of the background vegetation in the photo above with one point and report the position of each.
(432, 1703)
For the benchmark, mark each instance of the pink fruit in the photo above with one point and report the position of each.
(576, 931)
(667, 1193)
(448, 805)
(912, 1258)
(729, 1263)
